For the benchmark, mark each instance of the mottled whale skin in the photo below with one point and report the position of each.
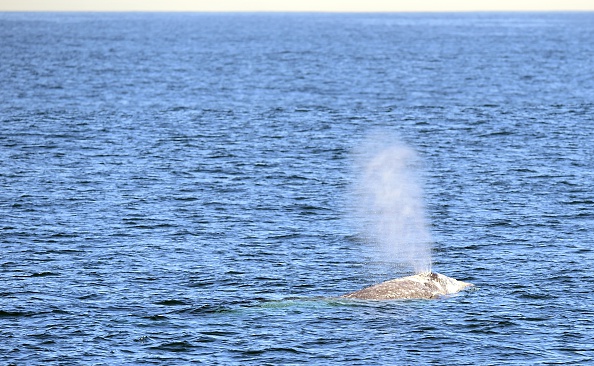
(427, 285)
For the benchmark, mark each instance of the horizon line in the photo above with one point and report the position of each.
(297, 11)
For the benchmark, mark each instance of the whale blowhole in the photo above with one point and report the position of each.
(426, 285)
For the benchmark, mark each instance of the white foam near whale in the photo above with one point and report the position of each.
(427, 285)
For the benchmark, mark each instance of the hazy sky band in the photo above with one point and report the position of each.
(297, 5)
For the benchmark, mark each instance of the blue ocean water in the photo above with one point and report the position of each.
(175, 188)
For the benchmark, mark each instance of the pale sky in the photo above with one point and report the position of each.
(297, 5)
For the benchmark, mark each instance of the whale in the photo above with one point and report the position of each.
(426, 285)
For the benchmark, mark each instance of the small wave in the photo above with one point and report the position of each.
(172, 302)
(44, 274)
(182, 346)
(15, 314)
(257, 352)
(205, 309)
(496, 133)
(156, 317)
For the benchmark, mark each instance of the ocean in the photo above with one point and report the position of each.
(178, 188)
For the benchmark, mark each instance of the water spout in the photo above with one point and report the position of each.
(390, 202)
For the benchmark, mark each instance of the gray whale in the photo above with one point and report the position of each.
(427, 285)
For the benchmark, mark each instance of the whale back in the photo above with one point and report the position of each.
(427, 285)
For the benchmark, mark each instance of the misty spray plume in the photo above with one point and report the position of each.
(389, 201)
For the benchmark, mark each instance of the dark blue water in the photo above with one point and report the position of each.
(174, 188)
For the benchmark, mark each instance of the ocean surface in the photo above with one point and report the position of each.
(177, 188)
